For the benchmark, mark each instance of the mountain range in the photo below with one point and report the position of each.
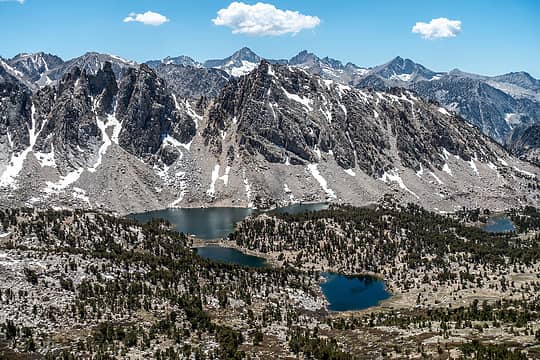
(497, 104)
(100, 131)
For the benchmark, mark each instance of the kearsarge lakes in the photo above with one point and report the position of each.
(342, 292)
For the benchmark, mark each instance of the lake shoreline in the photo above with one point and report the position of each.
(233, 206)
(272, 261)
(208, 228)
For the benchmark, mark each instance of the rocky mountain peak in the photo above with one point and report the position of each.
(401, 69)
(240, 63)
(33, 66)
(181, 60)
(91, 62)
(285, 114)
(103, 83)
(246, 54)
(336, 64)
(521, 79)
(148, 112)
(304, 57)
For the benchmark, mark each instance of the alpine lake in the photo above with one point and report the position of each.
(499, 224)
(343, 293)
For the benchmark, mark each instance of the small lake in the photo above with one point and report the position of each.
(346, 293)
(214, 223)
(230, 255)
(499, 224)
(205, 223)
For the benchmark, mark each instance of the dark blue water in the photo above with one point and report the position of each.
(205, 223)
(499, 224)
(352, 292)
(213, 223)
(229, 255)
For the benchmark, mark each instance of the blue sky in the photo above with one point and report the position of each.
(494, 36)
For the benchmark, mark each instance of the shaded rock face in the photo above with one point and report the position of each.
(524, 142)
(15, 113)
(103, 84)
(372, 82)
(148, 112)
(193, 82)
(67, 119)
(66, 116)
(286, 115)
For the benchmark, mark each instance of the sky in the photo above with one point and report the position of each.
(483, 36)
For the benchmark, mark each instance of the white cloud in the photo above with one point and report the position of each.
(19, 1)
(263, 19)
(148, 18)
(438, 28)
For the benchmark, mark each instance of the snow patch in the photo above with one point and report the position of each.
(80, 194)
(17, 160)
(11, 69)
(225, 177)
(46, 159)
(447, 169)
(63, 183)
(245, 68)
(443, 111)
(288, 192)
(169, 140)
(215, 175)
(103, 148)
(473, 167)
(327, 114)
(350, 172)
(304, 101)
(512, 119)
(196, 117)
(526, 173)
(445, 154)
(436, 178)
(402, 77)
(247, 186)
(271, 71)
(117, 127)
(393, 176)
(317, 152)
(420, 172)
(312, 168)
(502, 161)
